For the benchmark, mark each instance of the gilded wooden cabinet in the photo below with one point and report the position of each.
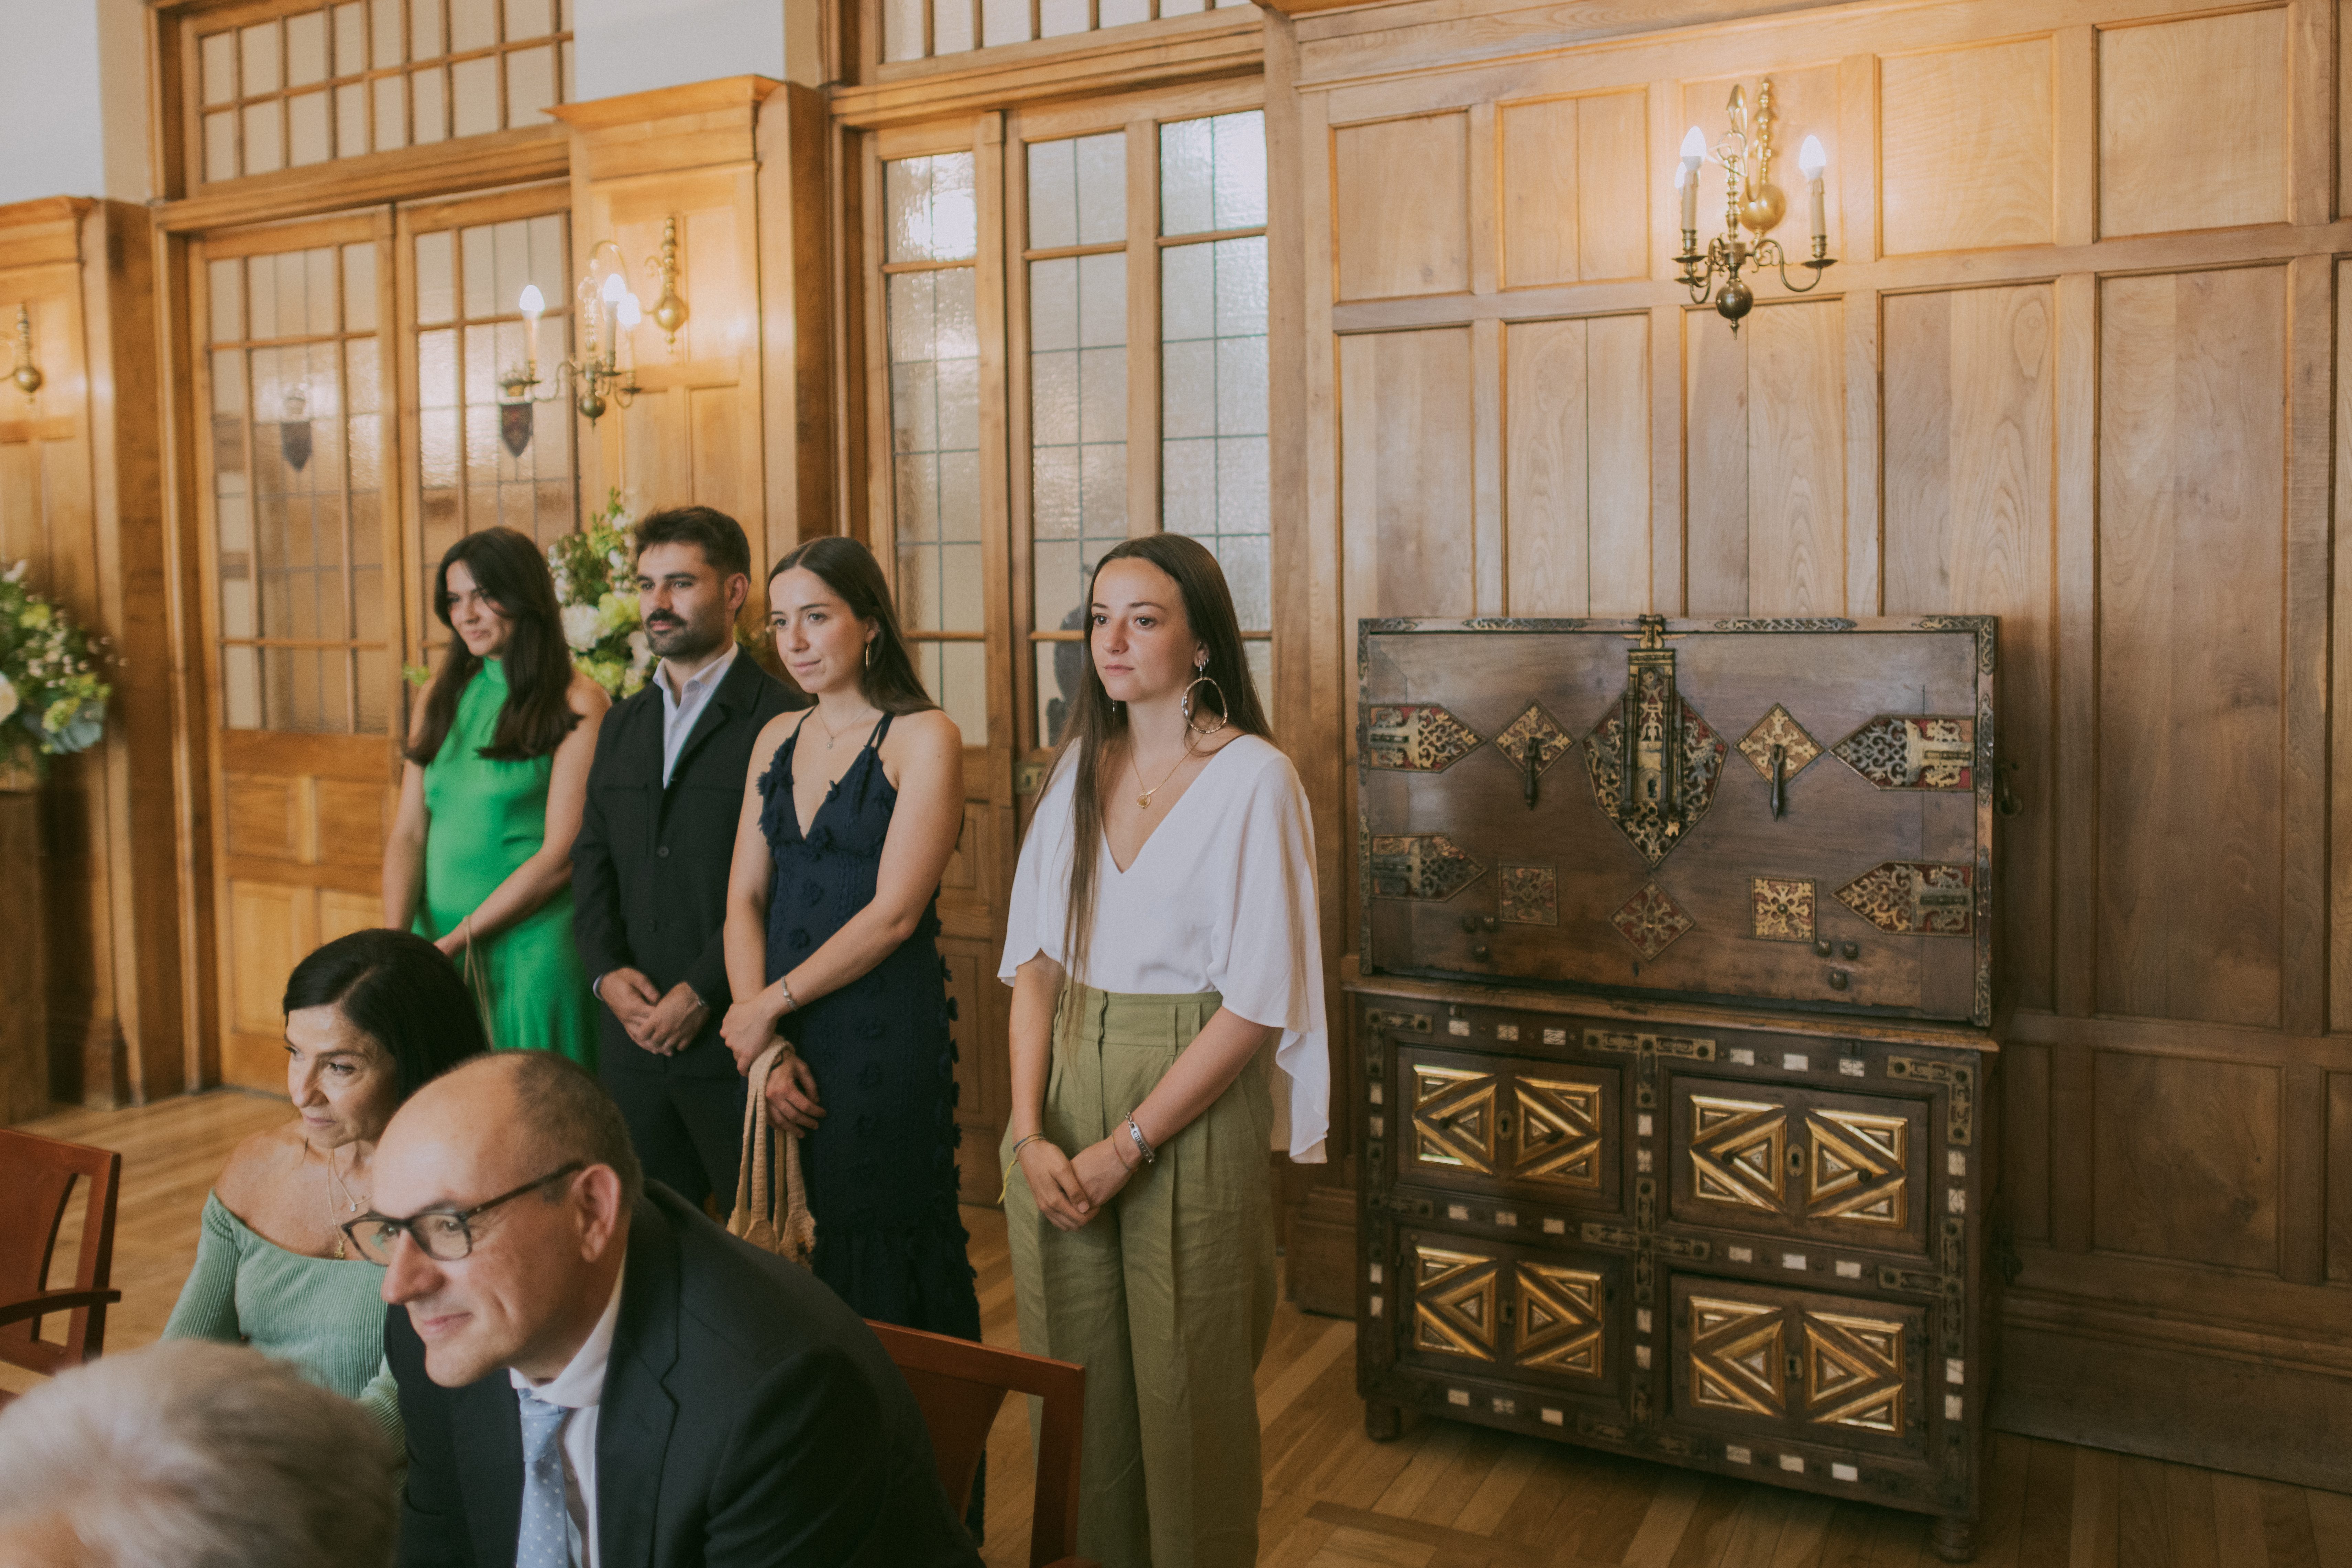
(1674, 1069)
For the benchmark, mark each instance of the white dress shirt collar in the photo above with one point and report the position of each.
(682, 707)
(579, 1388)
(582, 1381)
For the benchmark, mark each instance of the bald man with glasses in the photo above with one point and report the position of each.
(594, 1376)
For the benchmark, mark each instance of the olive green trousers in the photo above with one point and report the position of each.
(1165, 1298)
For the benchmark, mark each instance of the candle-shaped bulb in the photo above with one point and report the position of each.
(532, 303)
(632, 312)
(1686, 178)
(1693, 148)
(1812, 161)
(615, 287)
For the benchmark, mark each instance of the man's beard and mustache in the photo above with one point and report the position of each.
(672, 637)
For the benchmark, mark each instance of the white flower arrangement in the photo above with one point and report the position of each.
(52, 700)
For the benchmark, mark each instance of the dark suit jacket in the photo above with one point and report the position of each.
(749, 1418)
(649, 867)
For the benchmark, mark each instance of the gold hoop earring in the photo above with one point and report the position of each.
(869, 653)
(1199, 681)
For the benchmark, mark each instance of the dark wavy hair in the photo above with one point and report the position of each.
(537, 715)
(719, 536)
(849, 569)
(1097, 726)
(399, 991)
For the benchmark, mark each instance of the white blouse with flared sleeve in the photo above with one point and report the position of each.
(1221, 897)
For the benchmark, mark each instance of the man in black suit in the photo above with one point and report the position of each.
(649, 866)
(594, 1376)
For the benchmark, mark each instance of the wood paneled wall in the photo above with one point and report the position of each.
(80, 502)
(2080, 365)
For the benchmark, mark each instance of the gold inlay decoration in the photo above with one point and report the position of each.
(1561, 1319)
(1854, 1371)
(1558, 1138)
(1454, 1118)
(1735, 1356)
(1455, 1302)
(1858, 1169)
(1738, 1151)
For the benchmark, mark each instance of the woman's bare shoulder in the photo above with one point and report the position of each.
(260, 1166)
(587, 698)
(931, 729)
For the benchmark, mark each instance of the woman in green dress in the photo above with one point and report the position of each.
(369, 1018)
(479, 857)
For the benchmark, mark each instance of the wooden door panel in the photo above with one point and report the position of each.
(270, 926)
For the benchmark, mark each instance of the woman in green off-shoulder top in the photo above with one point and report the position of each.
(369, 1018)
(479, 857)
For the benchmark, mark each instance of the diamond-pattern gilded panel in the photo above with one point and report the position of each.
(1783, 909)
(1798, 751)
(1738, 1151)
(1857, 1169)
(1416, 738)
(1647, 822)
(1420, 866)
(1902, 751)
(1651, 920)
(1854, 1371)
(1556, 1137)
(1561, 1319)
(1537, 729)
(1453, 1301)
(1735, 1356)
(1917, 898)
(1529, 895)
(1454, 1118)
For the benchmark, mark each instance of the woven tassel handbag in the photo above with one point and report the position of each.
(753, 1219)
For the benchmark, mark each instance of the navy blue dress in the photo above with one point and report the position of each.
(880, 1169)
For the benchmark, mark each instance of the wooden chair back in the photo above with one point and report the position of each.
(38, 1176)
(960, 1386)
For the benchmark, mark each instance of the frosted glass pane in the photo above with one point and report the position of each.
(350, 119)
(1053, 194)
(474, 85)
(1102, 490)
(481, 388)
(530, 86)
(229, 394)
(391, 115)
(1003, 21)
(306, 125)
(264, 145)
(385, 14)
(528, 19)
(1181, 7)
(261, 297)
(915, 408)
(1056, 19)
(220, 146)
(1241, 486)
(1187, 199)
(957, 674)
(1102, 299)
(1054, 496)
(1102, 188)
(1187, 283)
(438, 458)
(306, 49)
(564, 83)
(477, 253)
(1213, 172)
(1240, 386)
(241, 686)
(437, 369)
(961, 599)
(364, 377)
(902, 29)
(930, 209)
(217, 52)
(1248, 577)
(547, 256)
(959, 334)
(1054, 398)
(437, 299)
(1119, 13)
(959, 394)
(960, 499)
(473, 25)
(1061, 668)
(1259, 652)
(912, 312)
(1054, 303)
(1240, 155)
(511, 269)
(366, 448)
(350, 38)
(375, 694)
(428, 90)
(951, 22)
(1102, 394)
(423, 29)
(1241, 285)
(1188, 488)
(1188, 389)
(257, 52)
(225, 300)
(320, 288)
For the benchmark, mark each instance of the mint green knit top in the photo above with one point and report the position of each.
(320, 1314)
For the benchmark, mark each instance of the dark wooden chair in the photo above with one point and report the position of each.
(38, 1174)
(960, 1386)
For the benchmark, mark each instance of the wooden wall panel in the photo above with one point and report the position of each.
(1969, 425)
(1406, 440)
(1766, 417)
(2025, 1141)
(2339, 1175)
(1402, 218)
(1574, 189)
(2161, 169)
(1967, 140)
(2186, 1160)
(2191, 513)
(1576, 467)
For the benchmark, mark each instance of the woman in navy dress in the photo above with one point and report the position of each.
(851, 810)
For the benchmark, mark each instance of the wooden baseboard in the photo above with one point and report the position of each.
(2216, 1409)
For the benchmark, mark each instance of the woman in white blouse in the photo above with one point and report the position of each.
(1149, 972)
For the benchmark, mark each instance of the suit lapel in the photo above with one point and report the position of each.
(637, 1412)
(486, 1432)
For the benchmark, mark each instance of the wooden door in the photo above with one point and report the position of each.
(298, 512)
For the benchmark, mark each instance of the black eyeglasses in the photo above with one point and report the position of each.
(443, 1234)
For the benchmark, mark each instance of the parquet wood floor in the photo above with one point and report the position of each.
(1442, 1496)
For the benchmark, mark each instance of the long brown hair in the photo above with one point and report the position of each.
(849, 569)
(537, 714)
(1096, 724)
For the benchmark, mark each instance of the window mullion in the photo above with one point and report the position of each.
(1142, 327)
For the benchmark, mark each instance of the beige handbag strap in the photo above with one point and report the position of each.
(755, 1173)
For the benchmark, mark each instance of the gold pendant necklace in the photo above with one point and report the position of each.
(1143, 801)
(350, 1205)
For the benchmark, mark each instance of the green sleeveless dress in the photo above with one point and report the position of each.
(487, 818)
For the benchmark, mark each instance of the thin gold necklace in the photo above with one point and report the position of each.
(830, 736)
(1144, 800)
(351, 1204)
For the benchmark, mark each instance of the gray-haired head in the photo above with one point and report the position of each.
(193, 1454)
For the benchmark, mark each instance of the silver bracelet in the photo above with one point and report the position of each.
(790, 1005)
(1141, 1147)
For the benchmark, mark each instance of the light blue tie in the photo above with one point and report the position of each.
(545, 1541)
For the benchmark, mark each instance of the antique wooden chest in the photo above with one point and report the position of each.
(1743, 1232)
(1791, 810)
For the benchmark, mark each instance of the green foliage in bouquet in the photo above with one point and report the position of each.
(51, 699)
(597, 589)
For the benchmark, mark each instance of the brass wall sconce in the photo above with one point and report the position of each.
(26, 375)
(604, 372)
(1751, 202)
